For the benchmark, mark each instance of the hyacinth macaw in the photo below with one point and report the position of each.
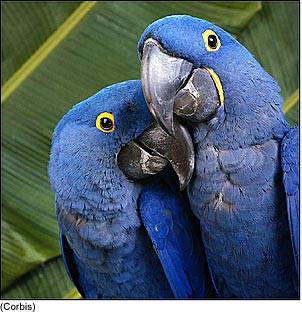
(124, 239)
(245, 185)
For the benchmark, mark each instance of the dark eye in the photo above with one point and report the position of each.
(105, 122)
(212, 41)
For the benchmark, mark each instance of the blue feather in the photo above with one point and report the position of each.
(290, 167)
(176, 239)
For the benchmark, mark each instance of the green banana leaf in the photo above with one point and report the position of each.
(73, 50)
(273, 37)
(25, 27)
(48, 280)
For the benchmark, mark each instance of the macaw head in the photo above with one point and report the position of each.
(199, 72)
(112, 134)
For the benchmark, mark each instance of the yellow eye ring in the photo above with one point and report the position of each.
(211, 40)
(105, 122)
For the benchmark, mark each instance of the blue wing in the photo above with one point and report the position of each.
(290, 167)
(176, 238)
(69, 263)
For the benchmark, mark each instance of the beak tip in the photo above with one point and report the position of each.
(183, 183)
(167, 125)
(182, 187)
(171, 131)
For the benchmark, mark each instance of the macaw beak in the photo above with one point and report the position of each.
(172, 85)
(154, 149)
(162, 76)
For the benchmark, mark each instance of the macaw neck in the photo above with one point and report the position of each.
(109, 193)
(95, 188)
(245, 119)
(252, 110)
(107, 199)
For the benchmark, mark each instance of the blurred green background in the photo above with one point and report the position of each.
(57, 54)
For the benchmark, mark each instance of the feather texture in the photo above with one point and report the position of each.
(290, 167)
(176, 238)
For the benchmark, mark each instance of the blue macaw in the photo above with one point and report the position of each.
(119, 238)
(245, 185)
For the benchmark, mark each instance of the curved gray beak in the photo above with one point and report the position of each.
(154, 149)
(172, 85)
(162, 76)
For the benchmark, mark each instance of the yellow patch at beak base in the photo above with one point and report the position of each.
(217, 84)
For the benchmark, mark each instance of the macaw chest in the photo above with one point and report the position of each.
(232, 187)
(239, 199)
